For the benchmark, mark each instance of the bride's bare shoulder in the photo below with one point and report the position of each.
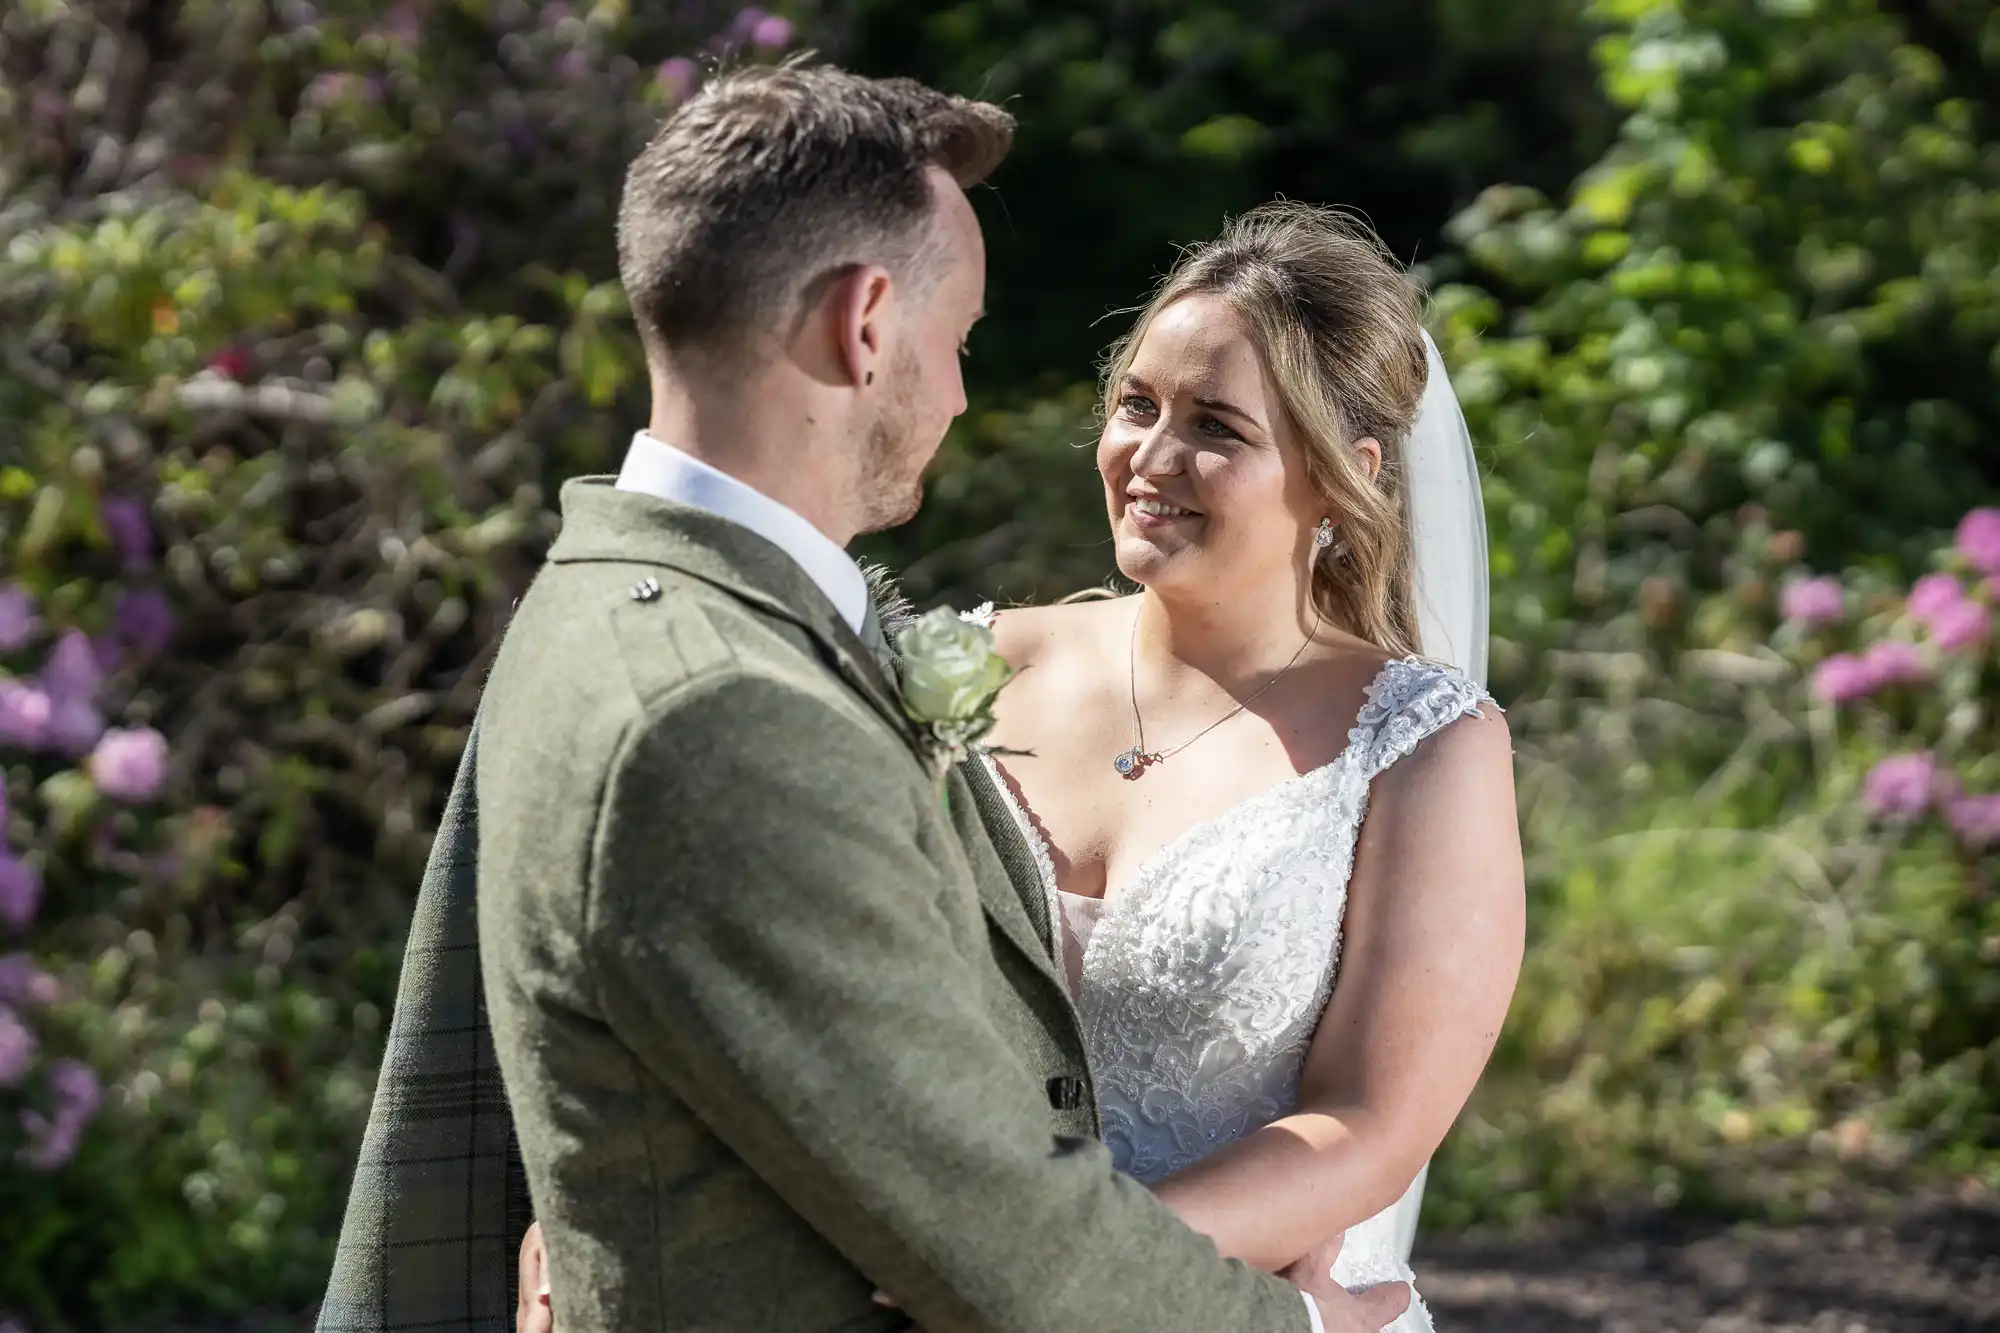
(1040, 635)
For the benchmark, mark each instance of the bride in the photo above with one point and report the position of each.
(1282, 846)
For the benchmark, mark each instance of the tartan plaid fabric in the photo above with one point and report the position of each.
(439, 1201)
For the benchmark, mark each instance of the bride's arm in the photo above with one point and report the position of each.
(1432, 946)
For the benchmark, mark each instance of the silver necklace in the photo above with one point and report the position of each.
(1133, 763)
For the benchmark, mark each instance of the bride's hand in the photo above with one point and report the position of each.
(534, 1313)
(1313, 1274)
(1366, 1310)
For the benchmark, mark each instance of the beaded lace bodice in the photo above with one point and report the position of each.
(1203, 978)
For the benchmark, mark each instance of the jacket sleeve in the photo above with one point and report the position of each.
(771, 941)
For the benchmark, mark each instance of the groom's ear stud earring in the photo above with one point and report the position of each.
(869, 378)
(1323, 534)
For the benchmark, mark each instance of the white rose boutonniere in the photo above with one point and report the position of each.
(951, 676)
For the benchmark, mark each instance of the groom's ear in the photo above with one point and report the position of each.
(859, 312)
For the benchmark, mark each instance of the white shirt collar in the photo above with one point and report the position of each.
(656, 468)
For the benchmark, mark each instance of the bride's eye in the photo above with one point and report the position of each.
(1219, 429)
(1135, 405)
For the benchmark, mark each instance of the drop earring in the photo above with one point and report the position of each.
(1323, 534)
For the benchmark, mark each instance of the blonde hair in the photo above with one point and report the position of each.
(1338, 323)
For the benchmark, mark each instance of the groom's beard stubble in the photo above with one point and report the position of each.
(892, 457)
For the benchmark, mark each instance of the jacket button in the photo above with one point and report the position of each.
(1066, 1092)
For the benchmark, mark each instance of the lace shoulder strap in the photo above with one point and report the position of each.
(1409, 700)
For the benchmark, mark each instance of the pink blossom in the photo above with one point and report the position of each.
(1975, 819)
(130, 765)
(22, 983)
(328, 88)
(24, 715)
(1963, 626)
(1815, 601)
(1843, 678)
(17, 1048)
(746, 21)
(573, 66)
(18, 621)
(233, 362)
(20, 890)
(1933, 595)
(676, 77)
(52, 1139)
(1979, 540)
(1895, 662)
(405, 24)
(1901, 786)
(771, 33)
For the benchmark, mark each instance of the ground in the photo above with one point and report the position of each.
(1922, 1266)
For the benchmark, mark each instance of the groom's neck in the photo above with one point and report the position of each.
(757, 435)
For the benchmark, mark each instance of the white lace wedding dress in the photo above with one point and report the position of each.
(1201, 980)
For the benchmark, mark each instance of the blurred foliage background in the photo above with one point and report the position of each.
(306, 308)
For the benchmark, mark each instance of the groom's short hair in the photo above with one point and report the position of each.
(773, 177)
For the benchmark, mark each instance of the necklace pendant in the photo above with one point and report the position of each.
(1131, 763)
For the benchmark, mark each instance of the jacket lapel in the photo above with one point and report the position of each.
(1009, 881)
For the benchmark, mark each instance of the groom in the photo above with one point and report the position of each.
(776, 1027)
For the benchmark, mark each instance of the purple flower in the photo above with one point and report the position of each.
(1816, 601)
(18, 621)
(1933, 595)
(746, 21)
(1895, 662)
(20, 890)
(24, 715)
(1963, 626)
(52, 1139)
(144, 620)
(676, 77)
(130, 528)
(73, 670)
(22, 983)
(1901, 786)
(74, 727)
(1979, 540)
(573, 66)
(1975, 819)
(771, 33)
(130, 765)
(17, 1048)
(1843, 678)
(71, 678)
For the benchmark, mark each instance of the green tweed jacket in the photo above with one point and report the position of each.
(775, 1034)
(439, 1199)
